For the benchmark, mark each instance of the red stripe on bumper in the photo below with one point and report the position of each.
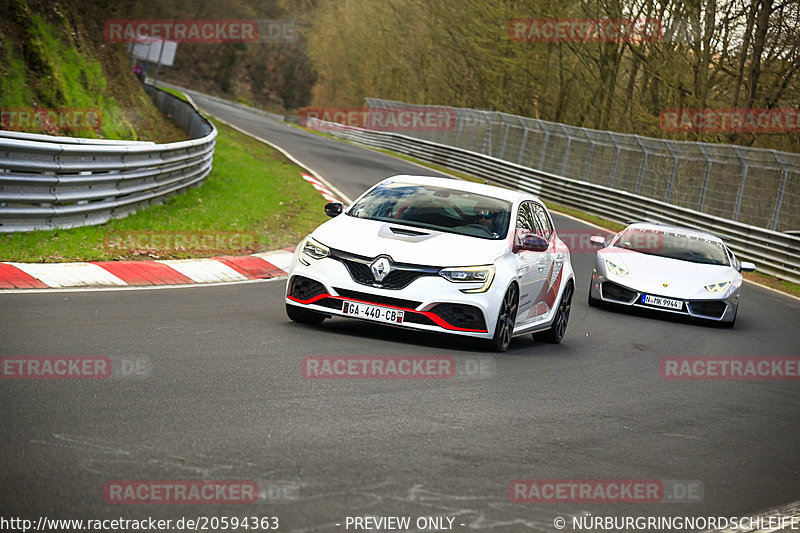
(436, 318)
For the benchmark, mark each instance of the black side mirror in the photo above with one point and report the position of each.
(533, 243)
(334, 209)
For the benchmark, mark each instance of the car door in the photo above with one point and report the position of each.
(530, 265)
(550, 263)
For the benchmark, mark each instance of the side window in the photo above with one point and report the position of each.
(525, 223)
(545, 226)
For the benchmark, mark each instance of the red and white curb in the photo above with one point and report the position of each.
(145, 273)
(320, 187)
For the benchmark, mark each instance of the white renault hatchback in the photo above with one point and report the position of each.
(437, 254)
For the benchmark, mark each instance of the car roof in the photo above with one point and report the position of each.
(680, 230)
(463, 185)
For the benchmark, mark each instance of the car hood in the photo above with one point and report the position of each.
(372, 238)
(651, 269)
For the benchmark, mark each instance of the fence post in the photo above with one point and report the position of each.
(705, 177)
(566, 150)
(745, 168)
(592, 146)
(544, 149)
(641, 167)
(779, 200)
(616, 159)
(505, 137)
(523, 142)
(674, 168)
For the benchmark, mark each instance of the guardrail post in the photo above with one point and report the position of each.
(745, 168)
(779, 200)
(705, 177)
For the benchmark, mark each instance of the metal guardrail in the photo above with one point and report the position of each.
(754, 186)
(774, 252)
(49, 182)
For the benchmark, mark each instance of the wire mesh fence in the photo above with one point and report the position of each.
(754, 186)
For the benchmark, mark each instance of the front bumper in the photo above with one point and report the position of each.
(429, 302)
(719, 309)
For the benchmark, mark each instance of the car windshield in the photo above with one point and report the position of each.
(695, 249)
(436, 208)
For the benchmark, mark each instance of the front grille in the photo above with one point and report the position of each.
(304, 288)
(461, 315)
(711, 309)
(399, 277)
(612, 291)
(377, 299)
(419, 318)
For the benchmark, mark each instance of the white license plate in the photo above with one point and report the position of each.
(662, 302)
(373, 312)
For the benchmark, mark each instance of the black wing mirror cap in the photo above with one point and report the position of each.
(334, 209)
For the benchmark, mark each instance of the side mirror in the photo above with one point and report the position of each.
(598, 240)
(532, 243)
(746, 266)
(334, 209)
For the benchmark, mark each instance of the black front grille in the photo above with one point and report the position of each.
(461, 315)
(612, 291)
(331, 303)
(399, 277)
(418, 318)
(711, 309)
(304, 288)
(377, 299)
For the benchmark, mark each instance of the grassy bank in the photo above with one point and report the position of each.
(251, 189)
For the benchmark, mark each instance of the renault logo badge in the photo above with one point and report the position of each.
(380, 268)
(664, 284)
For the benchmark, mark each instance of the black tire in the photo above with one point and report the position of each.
(506, 320)
(555, 334)
(303, 316)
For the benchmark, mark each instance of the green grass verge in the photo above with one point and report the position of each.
(174, 92)
(252, 188)
(763, 279)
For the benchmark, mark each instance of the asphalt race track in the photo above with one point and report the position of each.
(221, 396)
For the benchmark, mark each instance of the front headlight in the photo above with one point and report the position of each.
(718, 287)
(312, 249)
(614, 269)
(477, 274)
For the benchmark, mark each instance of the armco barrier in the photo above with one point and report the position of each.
(774, 252)
(49, 182)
